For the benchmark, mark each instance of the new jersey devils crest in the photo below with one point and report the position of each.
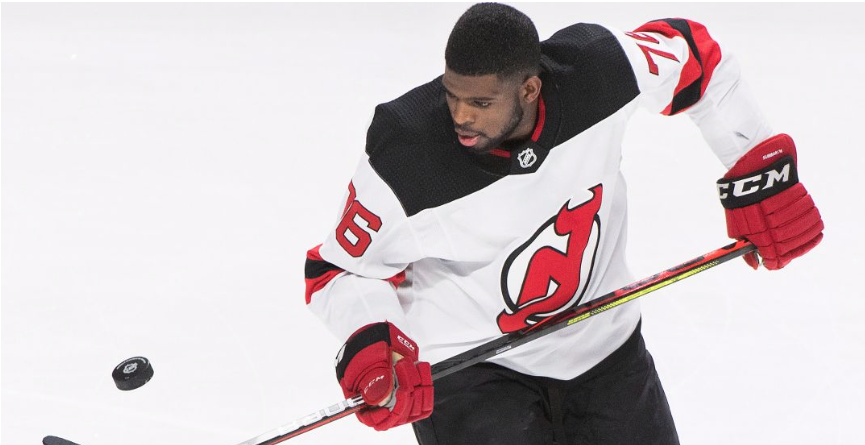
(551, 270)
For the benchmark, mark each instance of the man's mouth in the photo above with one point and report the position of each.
(467, 139)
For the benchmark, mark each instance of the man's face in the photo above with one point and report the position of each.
(485, 109)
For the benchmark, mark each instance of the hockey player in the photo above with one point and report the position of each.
(491, 197)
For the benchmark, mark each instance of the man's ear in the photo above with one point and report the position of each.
(531, 89)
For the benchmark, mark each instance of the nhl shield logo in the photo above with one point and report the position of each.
(527, 158)
(551, 271)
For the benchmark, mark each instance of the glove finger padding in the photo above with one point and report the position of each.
(766, 204)
(366, 365)
(422, 392)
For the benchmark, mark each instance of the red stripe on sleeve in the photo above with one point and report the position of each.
(319, 272)
(690, 73)
(320, 280)
(710, 52)
(397, 279)
(314, 254)
(314, 285)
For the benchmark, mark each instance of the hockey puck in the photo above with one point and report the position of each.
(132, 373)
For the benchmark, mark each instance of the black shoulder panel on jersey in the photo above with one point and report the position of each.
(592, 75)
(412, 146)
(691, 93)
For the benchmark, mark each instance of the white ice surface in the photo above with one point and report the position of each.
(166, 166)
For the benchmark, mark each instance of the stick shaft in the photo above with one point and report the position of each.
(308, 422)
(509, 341)
(583, 311)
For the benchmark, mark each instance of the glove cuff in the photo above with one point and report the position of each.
(371, 334)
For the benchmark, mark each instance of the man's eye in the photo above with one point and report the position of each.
(483, 104)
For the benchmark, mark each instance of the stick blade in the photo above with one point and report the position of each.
(54, 440)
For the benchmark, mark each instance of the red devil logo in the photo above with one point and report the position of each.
(551, 270)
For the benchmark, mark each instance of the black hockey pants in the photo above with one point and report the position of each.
(618, 402)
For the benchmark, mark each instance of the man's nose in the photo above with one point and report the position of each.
(462, 115)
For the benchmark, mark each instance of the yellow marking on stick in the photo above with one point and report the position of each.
(639, 294)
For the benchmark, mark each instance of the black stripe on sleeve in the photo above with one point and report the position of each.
(690, 94)
(317, 268)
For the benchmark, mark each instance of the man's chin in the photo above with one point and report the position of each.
(480, 150)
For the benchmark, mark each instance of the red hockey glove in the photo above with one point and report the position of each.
(766, 204)
(375, 361)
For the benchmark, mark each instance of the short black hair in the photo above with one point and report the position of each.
(492, 38)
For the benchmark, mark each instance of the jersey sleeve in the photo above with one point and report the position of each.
(351, 278)
(680, 68)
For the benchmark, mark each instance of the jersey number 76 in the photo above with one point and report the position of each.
(349, 228)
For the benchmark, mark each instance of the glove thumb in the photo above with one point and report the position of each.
(377, 385)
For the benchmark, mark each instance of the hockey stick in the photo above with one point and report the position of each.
(507, 342)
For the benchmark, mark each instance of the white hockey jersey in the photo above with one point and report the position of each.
(456, 249)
